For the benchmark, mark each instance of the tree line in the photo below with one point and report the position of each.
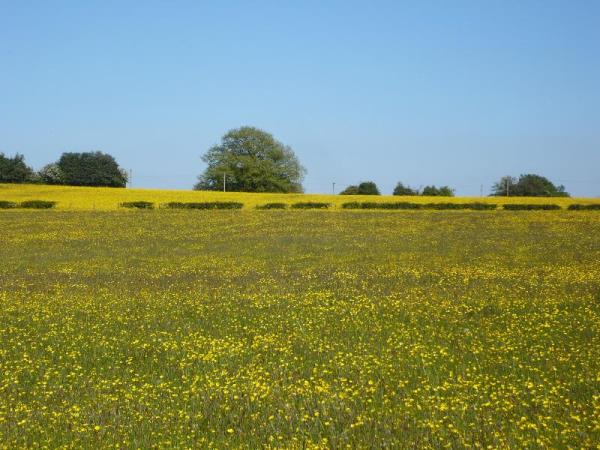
(247, 159)
(72, 169)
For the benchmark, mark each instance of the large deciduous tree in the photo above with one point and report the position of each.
(251, 160)
(442, 191)
(528, 185)
(14, 170)
(364, 188)
(401, 189)
(91, 169)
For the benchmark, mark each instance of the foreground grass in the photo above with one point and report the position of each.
(299, 329)
(72, 198)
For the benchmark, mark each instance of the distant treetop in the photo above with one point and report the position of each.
(528, 185)
(400, 189)
(88, 169)
(14, 170)
(364, 188)
(443, 191)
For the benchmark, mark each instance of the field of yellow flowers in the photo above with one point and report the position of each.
(299, 329)
(74, 198)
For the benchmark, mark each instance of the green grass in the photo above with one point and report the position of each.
(242, 329)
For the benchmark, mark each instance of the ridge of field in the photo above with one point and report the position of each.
(228, 330)
(97, 198)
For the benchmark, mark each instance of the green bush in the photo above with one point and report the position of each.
(174, 205)
(310, 205)
(376, 205)
(446, 206)
(138, 205)
(272, 206)
(204, 205)
(7, 205)
(364, 188)
(482, 206)
(530, 207)
(409, 205)
(37, 204)
(577, 207)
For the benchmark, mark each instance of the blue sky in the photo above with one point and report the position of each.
(458, 93)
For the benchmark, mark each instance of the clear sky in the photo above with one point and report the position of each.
(439, 92)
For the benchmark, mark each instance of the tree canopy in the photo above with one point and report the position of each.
(364, 188)
(528, 185)
(443, 191)
(90, 169)
(251, 160)
(14, 170)
(400, 189)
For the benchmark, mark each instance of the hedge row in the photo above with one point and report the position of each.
(409, 205)
(530, 207)
(29, 204)
(272, 206)
(204, 205)
(138, 205)
(310, 205)
(577, 207)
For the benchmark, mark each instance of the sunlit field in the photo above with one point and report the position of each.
(296, 329)
(104, 199)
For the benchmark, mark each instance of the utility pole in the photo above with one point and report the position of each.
(507, 187)
(130, 178)
(223, 181)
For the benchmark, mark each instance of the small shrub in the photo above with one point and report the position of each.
(7, 205)
(577, 207)
(446, 206)
(37, 204)
(310, 205)
(377, 205)
(482, 206)
(204, 205)
(530, 207)
(138, 205)
(174, 205)
(272, 206)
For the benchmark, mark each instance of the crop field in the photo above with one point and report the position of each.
(106, 199)
(297, 329)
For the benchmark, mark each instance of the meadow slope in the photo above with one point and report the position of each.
(281, 329)
(90, 198)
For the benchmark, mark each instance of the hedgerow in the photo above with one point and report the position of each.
(4, 204)
(530, 207)
(204, 205)
(409, 205)
(578, 207)
(37, 204)
(310, 205)
(272, 206)
(138, 205)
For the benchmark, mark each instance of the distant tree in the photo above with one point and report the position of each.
(14, 170)
(364, 188)
(505, 186)
(252, 160)
(368, 188)
(350, 190)
(528, 185)
(91, 169)
(400, 189)
(443, 191)
(51, 174)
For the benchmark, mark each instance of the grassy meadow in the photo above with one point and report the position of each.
(295, 329)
